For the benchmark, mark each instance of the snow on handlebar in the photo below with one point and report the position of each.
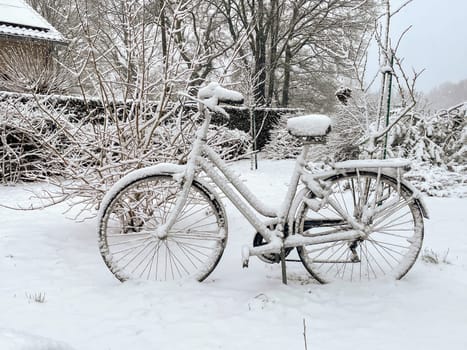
(223, 95)
(213, 94)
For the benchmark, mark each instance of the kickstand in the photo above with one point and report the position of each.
(284, 272)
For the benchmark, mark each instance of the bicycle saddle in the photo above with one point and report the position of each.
(312, 125)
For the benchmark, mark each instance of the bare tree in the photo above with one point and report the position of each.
(369, 117)
(291, 41)
(132, 57)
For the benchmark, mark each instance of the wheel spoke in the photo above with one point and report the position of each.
(151, 261)
(381, 254)
(392, 234)
(128, 241)
(209, 236)
(192, 247)
(337, 265)
(383, 271)
(387, 227)
(142, 260)
(131, 248)
(388, 250)
(137, 254)
(381, 204)
(188, 254)
(369, 266)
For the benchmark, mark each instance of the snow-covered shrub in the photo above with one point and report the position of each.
(24, 156)
(436, 143)
(438, 181)
(84, 157)
(438, 139)
(229, 143)
(282, 145)
(347, 129)
(351, 123)
(265, 118)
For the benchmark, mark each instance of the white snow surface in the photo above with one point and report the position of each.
(14, 340)
(309, 125)
(84, 306)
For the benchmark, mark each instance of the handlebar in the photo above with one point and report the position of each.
(223, 95)
(211, 95)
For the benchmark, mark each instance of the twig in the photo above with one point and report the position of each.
(304, 334)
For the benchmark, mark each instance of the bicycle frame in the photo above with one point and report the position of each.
(205, 158)
(361, 212)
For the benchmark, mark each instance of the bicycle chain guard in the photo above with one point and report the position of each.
(271, 258)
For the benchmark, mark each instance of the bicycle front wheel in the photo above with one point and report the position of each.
(193, 246)
(387, 209)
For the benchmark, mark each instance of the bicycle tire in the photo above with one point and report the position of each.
(193, 246)
(396, 229)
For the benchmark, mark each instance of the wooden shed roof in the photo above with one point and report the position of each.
(19, 20)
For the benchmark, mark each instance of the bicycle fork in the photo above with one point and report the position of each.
(187, 178)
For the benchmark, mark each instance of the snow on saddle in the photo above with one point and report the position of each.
(311, 126)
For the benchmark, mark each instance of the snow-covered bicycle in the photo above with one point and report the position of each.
(360, 221)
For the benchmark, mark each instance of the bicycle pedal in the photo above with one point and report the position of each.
(245, 256)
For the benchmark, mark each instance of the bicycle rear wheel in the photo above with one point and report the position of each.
(193, 246)
(387, 209)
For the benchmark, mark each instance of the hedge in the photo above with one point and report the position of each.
(79, 108)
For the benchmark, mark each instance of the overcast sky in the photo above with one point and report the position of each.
(437, 40)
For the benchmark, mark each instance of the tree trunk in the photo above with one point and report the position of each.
(260, 59)
(274, 19)
(286, 83)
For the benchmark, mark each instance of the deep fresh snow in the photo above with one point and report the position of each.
(43, 255)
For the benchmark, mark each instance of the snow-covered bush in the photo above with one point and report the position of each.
(438, 181)
(282, 145)
(347, 129)
(437, 144)
(349, 125)
(24, 154)
(229, 143)
(438, 139)
(84, 157)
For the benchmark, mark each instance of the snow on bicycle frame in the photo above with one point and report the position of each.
(374, 194)
(307, 126)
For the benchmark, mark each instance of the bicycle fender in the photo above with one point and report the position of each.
(294, 208)
(158, 169)
(418, 197)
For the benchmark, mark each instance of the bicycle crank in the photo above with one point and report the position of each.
(271, 258)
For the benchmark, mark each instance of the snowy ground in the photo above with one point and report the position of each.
(56, 286)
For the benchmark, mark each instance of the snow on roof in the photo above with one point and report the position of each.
(18, 19)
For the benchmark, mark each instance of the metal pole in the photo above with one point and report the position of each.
(283, 268)
(254, 160)
(388, 110)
